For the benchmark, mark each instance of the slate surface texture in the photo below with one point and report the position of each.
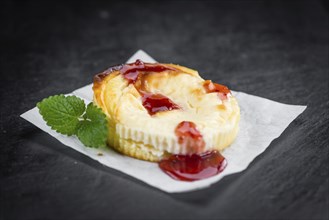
(272, 49)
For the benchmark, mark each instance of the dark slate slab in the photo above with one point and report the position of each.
(273, 49)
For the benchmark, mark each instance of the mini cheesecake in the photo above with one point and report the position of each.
(157, 110)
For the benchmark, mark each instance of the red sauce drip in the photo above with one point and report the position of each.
(193, 167)
(157, 103)
(132, 71)
(153, 103)
(189, 137)
(222, 90)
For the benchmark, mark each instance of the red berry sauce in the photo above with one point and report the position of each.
(194, 166)
(189, 137)
(154, 103)
(222, 90)
(132, 71)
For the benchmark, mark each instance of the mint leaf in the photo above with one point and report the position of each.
(62, 113)
(68, 115)
(93, 130)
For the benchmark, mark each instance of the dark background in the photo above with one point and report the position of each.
(273, 49)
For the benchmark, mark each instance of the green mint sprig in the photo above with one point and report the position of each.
(69, 115)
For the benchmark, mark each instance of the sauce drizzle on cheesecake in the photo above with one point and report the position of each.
(189, 137)
(154, 103)
(222, 90)
(132, 71)
(193, 166)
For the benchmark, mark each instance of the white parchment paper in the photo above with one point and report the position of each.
(262, 120)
